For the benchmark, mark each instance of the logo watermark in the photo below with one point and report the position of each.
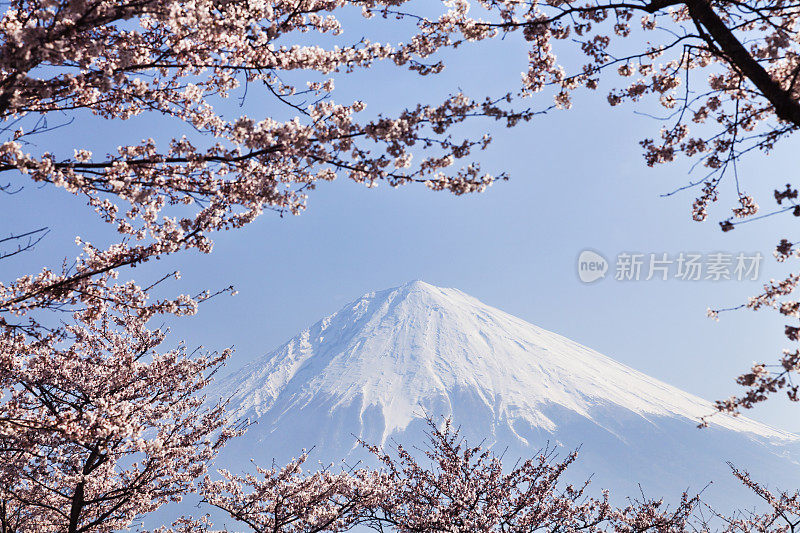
(591, 266)
(683, 266)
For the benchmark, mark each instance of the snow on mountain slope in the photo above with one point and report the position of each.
(374, 368)
(396, 348)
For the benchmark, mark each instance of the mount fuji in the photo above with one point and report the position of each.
(377, 367)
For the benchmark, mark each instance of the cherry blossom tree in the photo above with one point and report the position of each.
(453, 487)
(99, 427)
(459, 487)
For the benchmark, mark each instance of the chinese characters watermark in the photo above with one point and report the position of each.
(684, 266)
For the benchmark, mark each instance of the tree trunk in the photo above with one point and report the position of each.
(786, 107)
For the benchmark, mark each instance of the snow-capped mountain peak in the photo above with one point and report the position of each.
(396, 353)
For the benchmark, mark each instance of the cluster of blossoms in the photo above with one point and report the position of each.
(747, 207)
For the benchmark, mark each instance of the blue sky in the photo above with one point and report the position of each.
(577, 181)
